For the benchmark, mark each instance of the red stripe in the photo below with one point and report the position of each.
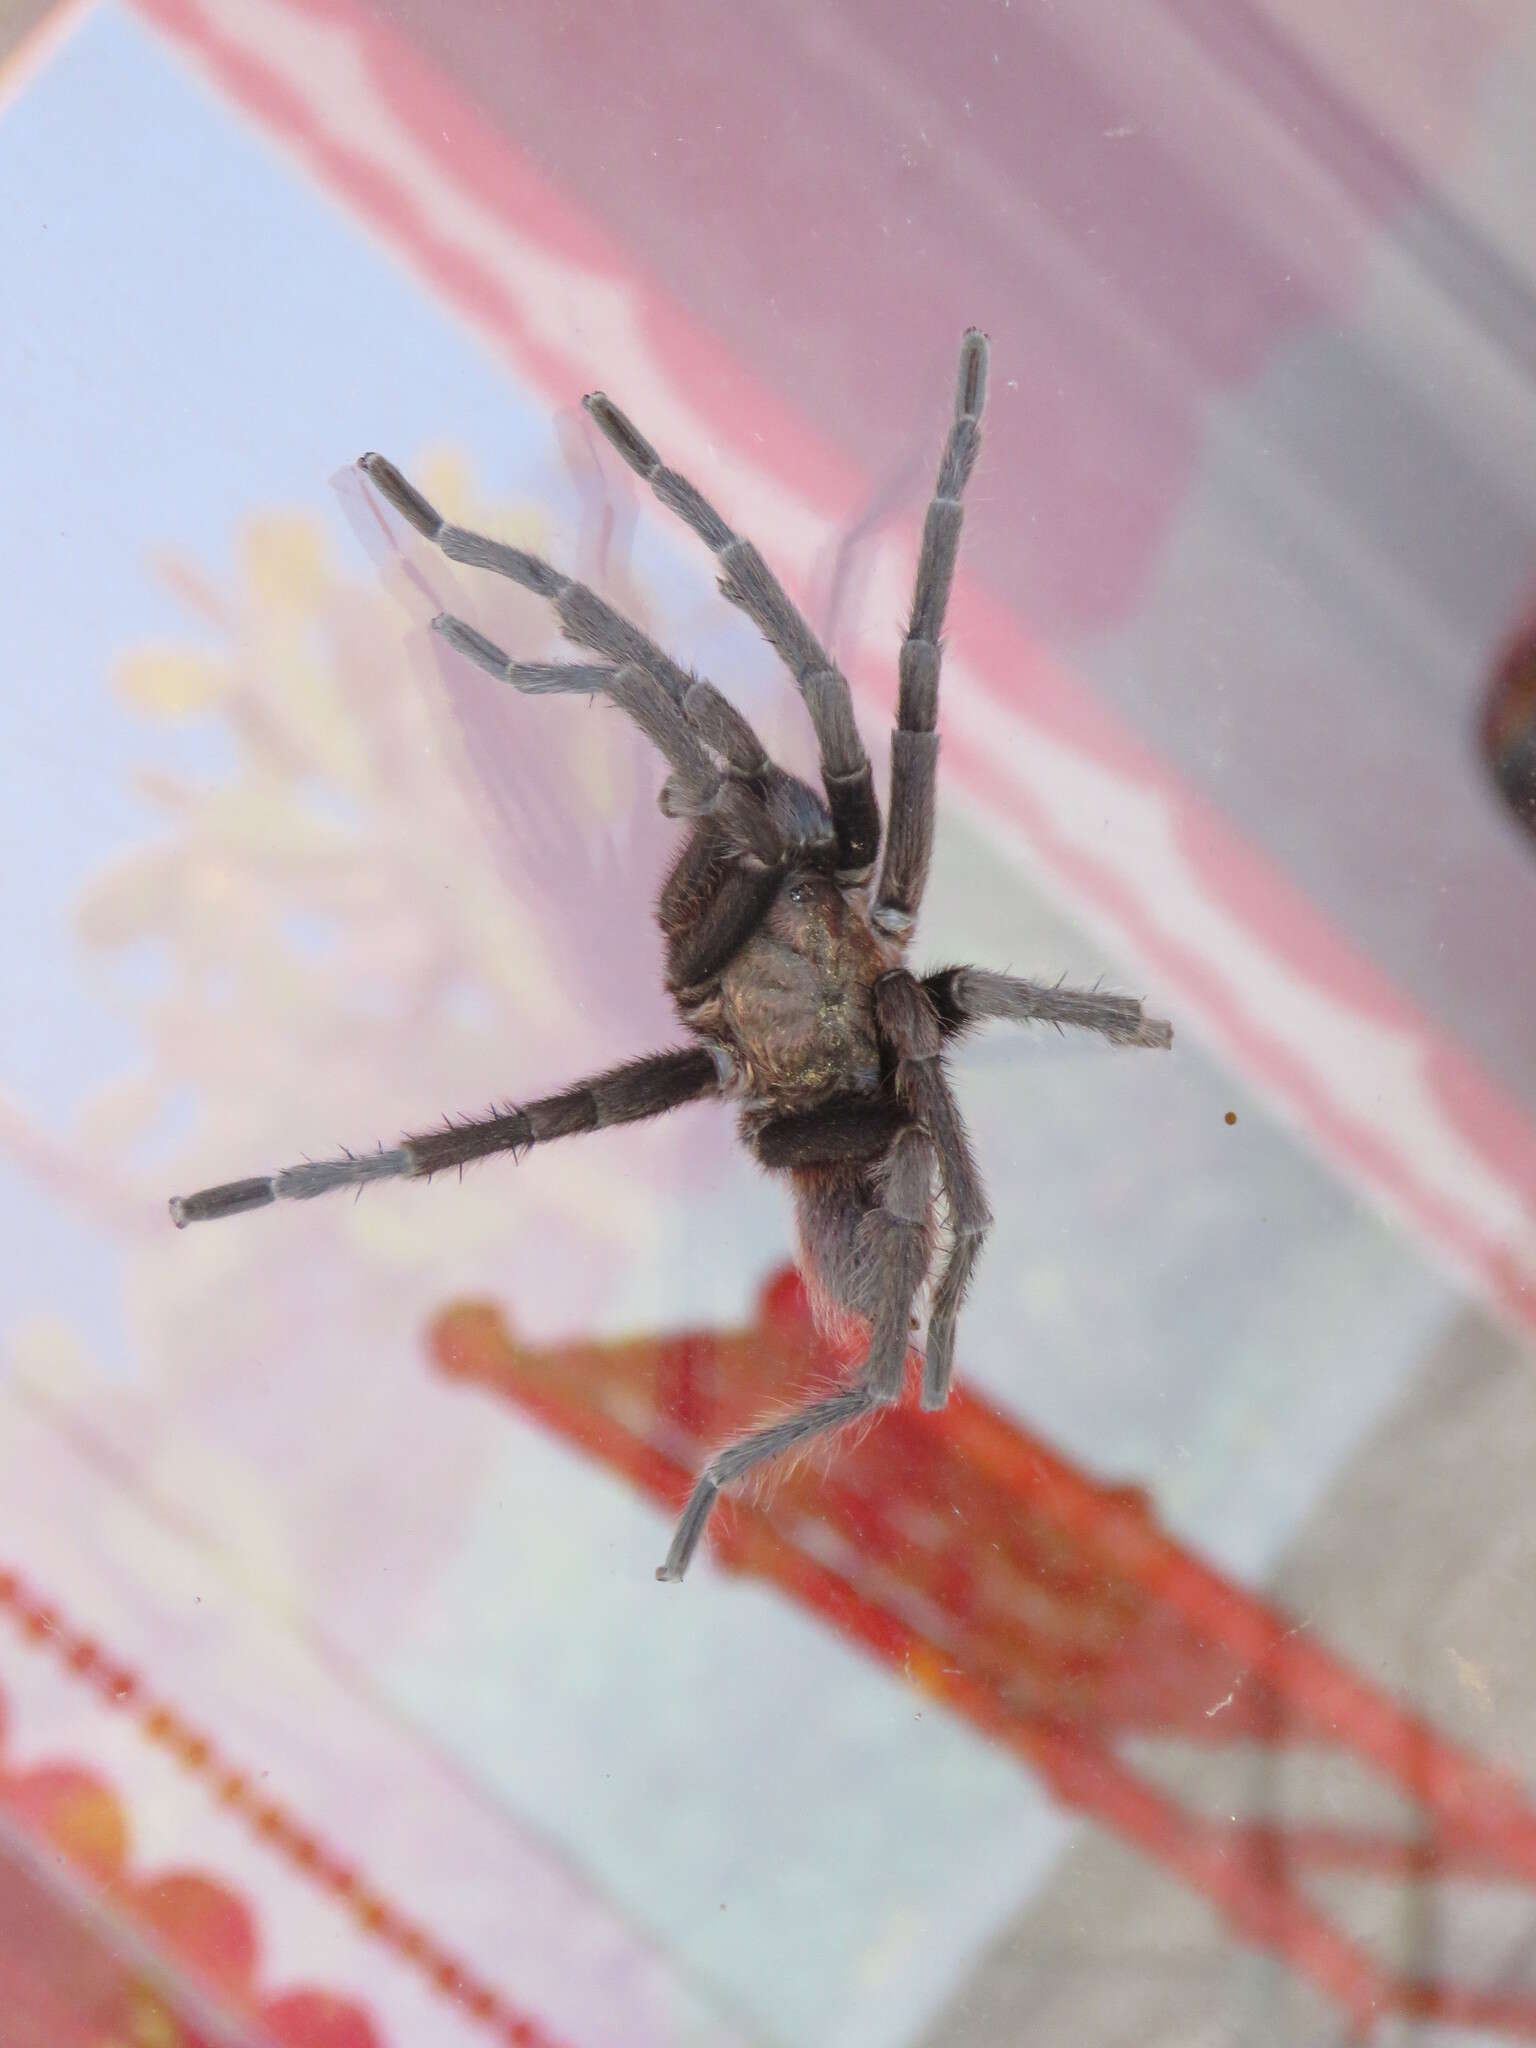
(1014, 672)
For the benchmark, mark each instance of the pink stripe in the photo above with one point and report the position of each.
(1013, 672)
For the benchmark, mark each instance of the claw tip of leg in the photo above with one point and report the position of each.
(972, 392)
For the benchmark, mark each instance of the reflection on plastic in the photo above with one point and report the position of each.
(1508, 733)
(91, 1953)
(1053, 1614)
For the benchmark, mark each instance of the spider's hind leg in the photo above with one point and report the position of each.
(893, 1249)
(911, 1027)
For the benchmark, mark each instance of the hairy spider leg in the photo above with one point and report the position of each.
(747, 581)
(687, 718)
(844, 1130)
(625, 1094)
(737, 842)
(966, 996)
(915, 744)
(960, 997)
(909, 1024)
(895, 1248)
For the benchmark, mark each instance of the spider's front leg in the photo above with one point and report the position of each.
(915, 743)
(894, 1243)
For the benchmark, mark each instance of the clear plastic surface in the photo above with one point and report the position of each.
(1174, 1684)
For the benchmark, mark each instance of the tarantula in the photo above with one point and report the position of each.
(785, 959)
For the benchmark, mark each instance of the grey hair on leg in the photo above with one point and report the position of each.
(747, 582)
(586, 619)
(893, 1261)
(966, 995)
(294, 1184)
(626, 1094)
(915, 742)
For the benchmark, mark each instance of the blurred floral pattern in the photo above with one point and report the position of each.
(337, 1707)
(369, 919)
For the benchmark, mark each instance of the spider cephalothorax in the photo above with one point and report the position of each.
(785, 955)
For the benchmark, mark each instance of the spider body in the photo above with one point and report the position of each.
(796, 1004)
(785, 954)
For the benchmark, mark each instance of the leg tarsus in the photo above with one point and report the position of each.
(402, 494)
(231, 1199)
(944, 1313)
(691, 1526)
(759, 1447)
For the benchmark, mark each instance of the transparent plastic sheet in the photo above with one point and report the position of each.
(1173, 1681)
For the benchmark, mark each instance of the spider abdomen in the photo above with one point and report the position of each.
(838, 1210)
